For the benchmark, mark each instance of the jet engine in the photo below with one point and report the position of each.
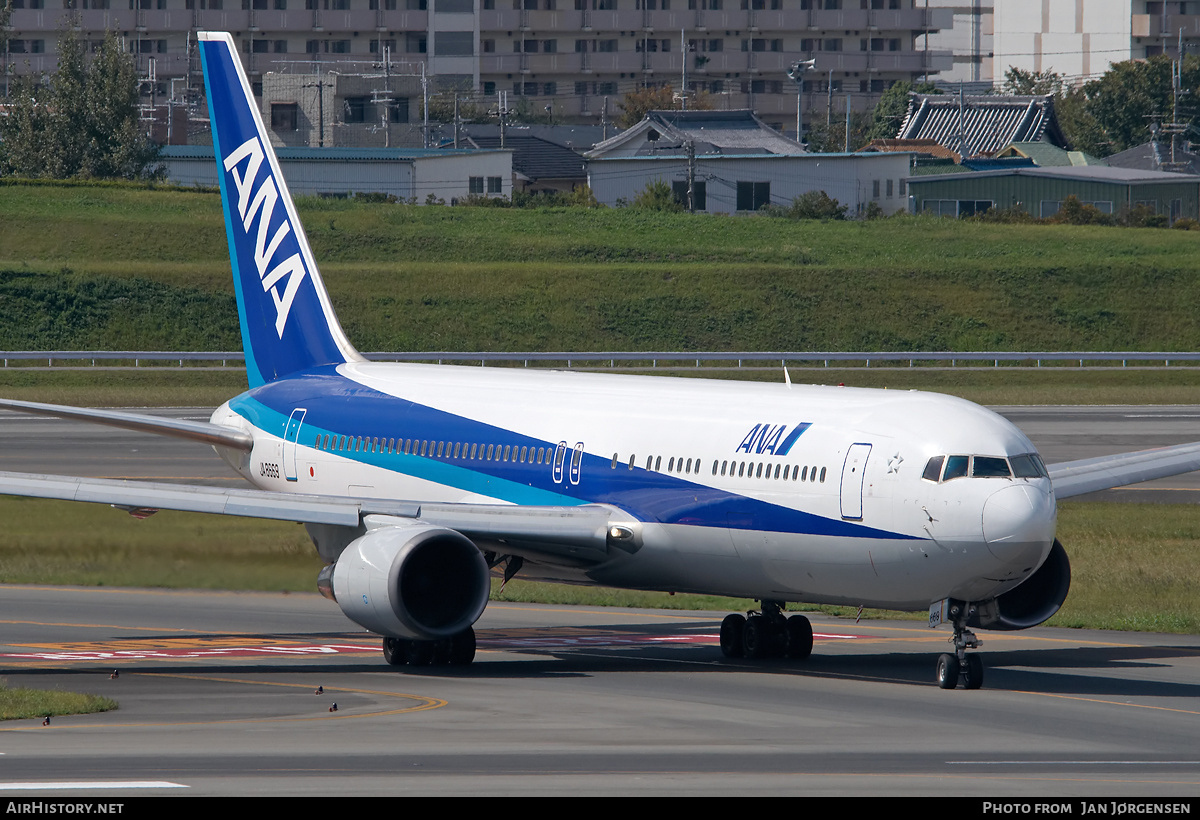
(1037, 598)
(410, 580)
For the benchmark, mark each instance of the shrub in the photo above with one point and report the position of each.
(1074, 212)
(657, 196)
(816, 205)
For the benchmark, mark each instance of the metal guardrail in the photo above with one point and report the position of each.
(655, 358)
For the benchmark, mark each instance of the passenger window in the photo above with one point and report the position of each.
(822, 475)
(956, 467)
(933, 468)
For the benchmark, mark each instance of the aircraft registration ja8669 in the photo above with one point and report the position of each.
(416, 482)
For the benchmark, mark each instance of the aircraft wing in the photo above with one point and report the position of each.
(580, 533)
(1071, 478)
(201, 431)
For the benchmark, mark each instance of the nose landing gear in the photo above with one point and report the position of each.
(766, 634)
(960, 667)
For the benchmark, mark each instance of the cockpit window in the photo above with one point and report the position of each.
(1028, 465)
(933, 468)
(990, 467)
(956, 467)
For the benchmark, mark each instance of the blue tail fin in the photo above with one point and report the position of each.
(288, 323)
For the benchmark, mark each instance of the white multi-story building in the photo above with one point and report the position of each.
(568, 58)
(969, 39)
(1081, 40)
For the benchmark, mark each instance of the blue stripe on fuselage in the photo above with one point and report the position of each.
(339, 406)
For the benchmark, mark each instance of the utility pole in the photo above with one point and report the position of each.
(425, 105)
(683, 89)
(847, 146)
(829, 101)
(691, 179)
(320, 85)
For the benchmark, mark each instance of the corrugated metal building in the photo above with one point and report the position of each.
(1041, 191)
(406, 173)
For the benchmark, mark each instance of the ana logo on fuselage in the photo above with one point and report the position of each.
(769, 438)
(261, 203)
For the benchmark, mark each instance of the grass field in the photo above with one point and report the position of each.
(1134, 566)
(126, 268)
(20, 703)
(209, 387)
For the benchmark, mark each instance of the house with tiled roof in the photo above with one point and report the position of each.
(973, 126)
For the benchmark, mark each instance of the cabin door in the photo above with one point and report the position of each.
(853, 473)
(290, 434)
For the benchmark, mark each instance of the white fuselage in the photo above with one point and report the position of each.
(770, 491)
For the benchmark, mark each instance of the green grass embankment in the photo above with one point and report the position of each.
(111, 267)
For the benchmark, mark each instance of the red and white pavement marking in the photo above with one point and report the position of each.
(199, 648)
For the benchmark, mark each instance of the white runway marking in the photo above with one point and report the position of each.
(93, 784)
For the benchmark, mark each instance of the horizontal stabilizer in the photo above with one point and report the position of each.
(1088, 475)
(201, 431)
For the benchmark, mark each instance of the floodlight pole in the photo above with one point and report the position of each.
(796, 73)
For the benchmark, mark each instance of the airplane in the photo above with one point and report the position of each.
(416, 482)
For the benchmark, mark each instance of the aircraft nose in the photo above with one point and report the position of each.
(1018, 523)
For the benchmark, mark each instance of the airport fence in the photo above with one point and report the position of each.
(635, 360)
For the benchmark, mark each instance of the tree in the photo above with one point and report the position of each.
(81, 122)
(831, 138)
(637, 103)
(1024, 83)
(1130, 95)
(1080, 129)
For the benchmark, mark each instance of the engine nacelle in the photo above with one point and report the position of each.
(412, 581)
(1036, 599)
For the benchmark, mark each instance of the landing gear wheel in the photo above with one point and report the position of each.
(947, 671)
(420, 653)
(462, 647)
(395, 651)
(799, 637)
(756, 637)
(973, 672)
(732, 633)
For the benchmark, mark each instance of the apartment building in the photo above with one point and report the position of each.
(1081, 40)
(572, 59)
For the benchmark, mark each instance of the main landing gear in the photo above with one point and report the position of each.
(960, 667)
(766, 634)
(458, 650)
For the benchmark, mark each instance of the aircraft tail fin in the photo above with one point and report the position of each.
(287, 320)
